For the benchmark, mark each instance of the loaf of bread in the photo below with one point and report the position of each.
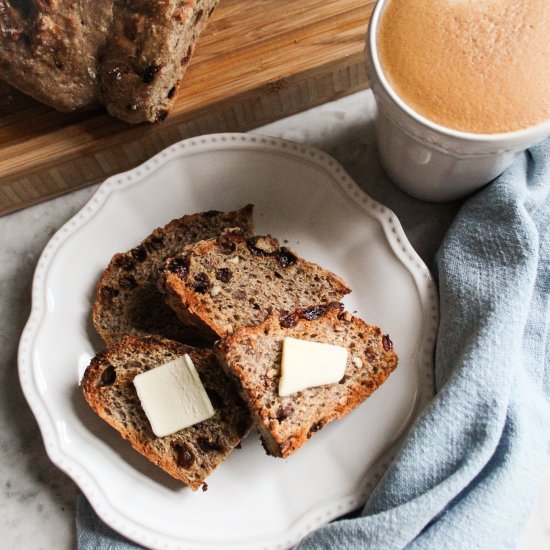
(252, 356)
(128, 56)
(189, 455)
(127, 300)
(233, 281)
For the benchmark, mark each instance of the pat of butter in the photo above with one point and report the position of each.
(307, 364)
(173, 396)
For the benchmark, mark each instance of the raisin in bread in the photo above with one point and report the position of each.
(189, 455)
(252, 356)
(233, 281)
(127, 300)
(129, 56)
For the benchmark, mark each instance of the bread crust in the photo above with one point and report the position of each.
(128, 56)
(189, 455)
(251, 357)
(48, 49)
(142, 65)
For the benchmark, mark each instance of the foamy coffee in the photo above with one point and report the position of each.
(480, 66)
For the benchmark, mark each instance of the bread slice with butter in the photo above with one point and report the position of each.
(252, 357)
(234, 280)
(190, 454)
(127, 301)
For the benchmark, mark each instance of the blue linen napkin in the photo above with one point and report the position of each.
(468, 473)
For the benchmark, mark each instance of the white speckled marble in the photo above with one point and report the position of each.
(37, 501)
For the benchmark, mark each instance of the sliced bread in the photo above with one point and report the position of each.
(252, 357)
(127, 301)
(189, 455)
(233, 281)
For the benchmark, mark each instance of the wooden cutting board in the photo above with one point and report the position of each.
(257, 61)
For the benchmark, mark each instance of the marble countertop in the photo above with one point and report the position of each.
(37, 501)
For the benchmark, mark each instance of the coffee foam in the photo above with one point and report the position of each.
(480, 66)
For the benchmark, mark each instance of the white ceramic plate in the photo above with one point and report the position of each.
(254, 501)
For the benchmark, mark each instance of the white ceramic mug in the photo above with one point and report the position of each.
(427, 160)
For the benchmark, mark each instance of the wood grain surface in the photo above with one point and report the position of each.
(257, 61)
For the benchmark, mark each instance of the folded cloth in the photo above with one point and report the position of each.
(468, 472)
